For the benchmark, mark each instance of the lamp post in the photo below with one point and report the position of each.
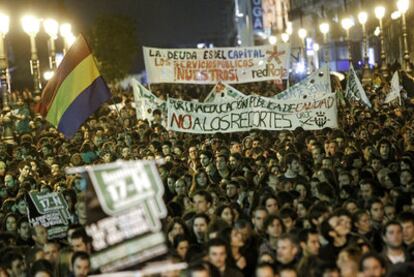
(285, 37)
(347, 24)
(31, 27)
(379, 14)
(324, 28)
(402, 6)
(366, 76)
(68, 37)
(7, 123)
(51, 27)
(302, 33)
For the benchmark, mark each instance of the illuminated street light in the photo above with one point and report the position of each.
(51, 27)
(347, 23)
(366, 74)
(31, 26)
(68, 37)
(324, 28)
(47, 75)
(285, 37)
(379, 14)
(272, 40)
(395, 15)
(403, 6)
(4, 67)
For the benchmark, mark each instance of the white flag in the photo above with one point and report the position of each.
(316, 85)
(354, 90)
(146, 102)
(223, 92)
(395, 89)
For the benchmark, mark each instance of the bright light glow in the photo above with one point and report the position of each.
(289, 28)
(59, 58)
(70, 40)
(272, 40)
(201, 45)
(379, 12)
(362, 18)
(30, 25)
(377, 31)
(395, 15)
(285, 37)
(316, 47)
(302, 33)
(4, 24)
(47, 75)
(340, 76)
(65, 30)
(347, 23)
(403, 5)
(300, 68)
(51, 27)
(324, 28)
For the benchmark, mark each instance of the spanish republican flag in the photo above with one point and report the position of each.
(76, 90)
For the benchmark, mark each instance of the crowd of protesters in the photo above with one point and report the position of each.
(334, 202)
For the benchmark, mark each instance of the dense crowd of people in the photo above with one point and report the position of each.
(334, 202)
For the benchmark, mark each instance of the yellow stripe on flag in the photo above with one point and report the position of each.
(74, 84)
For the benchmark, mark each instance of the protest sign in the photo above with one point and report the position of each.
(252, 112)
(210, 66)
(223, 92)
(354, 90)
(315, 85)
(124, 208)
(49, 209)
(146, 102)
(395, 91)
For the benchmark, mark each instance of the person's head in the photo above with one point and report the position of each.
(348, 259)
(181, 245)
(80, 241)
(10, 223)
(288, 216)
(407, 222)
(232, 189)
(226, 213)
(202, 201)
(376, 209)
(41, 268)
(366, 188)
(51, 250)
(392, 235)
(362, 222)
(23, 228)
(271, 204)
(258, 217)
(292, 163)
(39, 235)
(309, 241)
(202, 269)
(81, 264)
(288, 272)
(205, 158)
(217, 253)
(372, 265)
(200, 224)
(265, 270)
(273, 226)
(14, 264)
(287, 248)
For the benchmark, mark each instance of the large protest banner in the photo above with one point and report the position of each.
(354, 90)
(210, 66)
(315, 85)
(223, 92)
(50, 210)
(124, 208)
(252, 112)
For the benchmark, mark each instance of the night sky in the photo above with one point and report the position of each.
(159, 23)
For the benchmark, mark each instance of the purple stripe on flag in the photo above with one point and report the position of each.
(83, 106)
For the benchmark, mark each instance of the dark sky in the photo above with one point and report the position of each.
(159, 23)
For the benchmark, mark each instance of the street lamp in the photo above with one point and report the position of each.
(402, 6)
(302, 33)
(51, 27)
(31, 27)
(379, 14)
(68, 37)
(347, 24)
(324, 28)
(272, 40)
(366, 76)
(285, 37)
